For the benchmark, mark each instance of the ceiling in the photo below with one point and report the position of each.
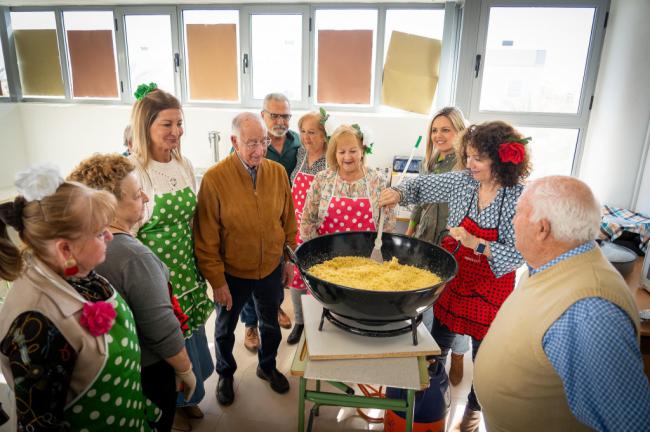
(159, 2)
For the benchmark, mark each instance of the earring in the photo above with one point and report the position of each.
(70, 267)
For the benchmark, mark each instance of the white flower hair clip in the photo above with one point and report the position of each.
(38, 181)
(367, 140)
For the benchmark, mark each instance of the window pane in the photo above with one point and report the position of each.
(420, 22)
(531, 65)
(149, 47)
(211, 49)
(277, 55)
(37, 51)
(345, 56)
(4, 87)
(552, 150)
(91, 53)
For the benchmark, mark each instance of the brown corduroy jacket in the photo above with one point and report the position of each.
(241, 228)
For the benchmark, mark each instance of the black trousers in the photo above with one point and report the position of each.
(159, 385)
(267, 293)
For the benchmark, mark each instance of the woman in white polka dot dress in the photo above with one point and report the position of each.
(167, 178)
(345, 196)
(68, 341)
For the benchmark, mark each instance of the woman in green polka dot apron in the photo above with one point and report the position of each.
(115, 400)
(169, 236)
(168, 179)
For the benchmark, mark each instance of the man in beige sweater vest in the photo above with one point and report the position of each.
(563, 351)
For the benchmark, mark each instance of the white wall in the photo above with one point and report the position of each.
(65, 134)
(12, 144)
(619, 120)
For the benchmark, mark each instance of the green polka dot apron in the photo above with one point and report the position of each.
(169, 236)
(115, 400)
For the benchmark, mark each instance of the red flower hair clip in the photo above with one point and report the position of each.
(513, 150)
(98, 317)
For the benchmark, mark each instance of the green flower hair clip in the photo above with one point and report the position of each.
(144, 89)
(366, 140)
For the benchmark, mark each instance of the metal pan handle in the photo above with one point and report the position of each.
(292, 255)
(443, 233)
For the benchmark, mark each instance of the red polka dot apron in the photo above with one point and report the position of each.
(347, 214)
(472, 299)
(301, 184)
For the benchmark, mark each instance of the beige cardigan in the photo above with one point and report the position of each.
(42, 290)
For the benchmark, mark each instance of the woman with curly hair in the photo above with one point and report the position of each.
(143, 280)
(494, 160)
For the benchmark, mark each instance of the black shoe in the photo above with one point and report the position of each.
(279, 383)
(225, 392)
(296, 332)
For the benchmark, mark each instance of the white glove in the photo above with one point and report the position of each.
(186, 382)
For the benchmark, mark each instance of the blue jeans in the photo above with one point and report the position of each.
(267, 293)
(249, 316)
(445, 339)
(461, 342)
(202, 365)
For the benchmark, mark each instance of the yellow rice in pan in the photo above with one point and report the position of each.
(364, 273)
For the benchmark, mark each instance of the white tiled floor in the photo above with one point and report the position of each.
(257, 407)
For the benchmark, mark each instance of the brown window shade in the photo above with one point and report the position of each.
(92, 62)
(212, 61)
(344, 66)
(38, 62)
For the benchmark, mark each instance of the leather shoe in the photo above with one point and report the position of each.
(225, 392)
(456, 369)
(279, 382)
(470, 422)
(283, 319)
(192, 412)
(294, 336)
(252, 339)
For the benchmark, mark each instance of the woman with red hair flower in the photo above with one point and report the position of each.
(493, 159)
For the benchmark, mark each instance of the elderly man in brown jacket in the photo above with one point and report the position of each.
(244, 219)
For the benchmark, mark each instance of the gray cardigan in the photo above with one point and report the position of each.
(141, 278)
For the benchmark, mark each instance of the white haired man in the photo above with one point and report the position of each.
(244, 219)
(568, 336)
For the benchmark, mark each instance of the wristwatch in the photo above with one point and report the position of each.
(480, 248)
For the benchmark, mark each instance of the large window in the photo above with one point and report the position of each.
(212, 55)
(91, 54)
(345, 56)
(535, 67)
(150, 50)
(37, 51)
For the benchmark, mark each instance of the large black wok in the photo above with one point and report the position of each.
(374, 307)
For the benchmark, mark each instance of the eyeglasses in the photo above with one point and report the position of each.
(252, 145)
(275, 116)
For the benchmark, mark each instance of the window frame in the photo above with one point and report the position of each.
(9, 57)
(183, 59)
(468, 98)
(125, 81)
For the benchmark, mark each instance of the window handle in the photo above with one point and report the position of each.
(245, 63)
(177, 61)
(477, 65)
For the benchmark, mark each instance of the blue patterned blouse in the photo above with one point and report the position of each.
(460, 190)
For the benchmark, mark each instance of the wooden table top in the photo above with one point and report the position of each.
(641, 296)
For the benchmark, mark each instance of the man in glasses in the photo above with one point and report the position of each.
(276, 113)
(244, 219)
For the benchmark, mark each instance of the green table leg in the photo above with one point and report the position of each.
(410, 409)
(301, 404)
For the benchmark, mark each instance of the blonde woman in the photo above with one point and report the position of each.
(345, 196)
(167, 178)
